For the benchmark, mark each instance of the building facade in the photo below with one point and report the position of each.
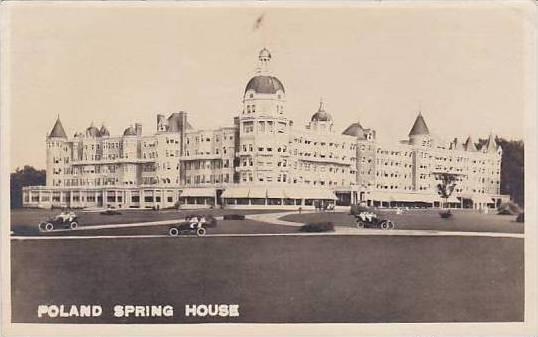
(262, 159)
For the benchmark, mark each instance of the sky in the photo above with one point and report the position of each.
(463, 67)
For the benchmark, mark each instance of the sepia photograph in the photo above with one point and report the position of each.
(194, 165)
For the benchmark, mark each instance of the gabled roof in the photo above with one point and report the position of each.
(491, 145)
(419, 127)
(470, 145)
(92, 131)
(457, 145)
(130, 131)
(104, 131)
(58, 130)
(355, 130)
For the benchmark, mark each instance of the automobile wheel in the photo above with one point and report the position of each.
(384, 224)
(49, 227)
(359, 224)
(41, 227)
(173, 231)
(73, 225)
(200, 231)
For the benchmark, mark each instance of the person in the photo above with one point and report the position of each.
(65, 216)
(367, 216)
(62, 216)
(193, 222)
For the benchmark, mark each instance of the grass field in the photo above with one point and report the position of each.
(25, 221)
(277, 279)
(425, 219)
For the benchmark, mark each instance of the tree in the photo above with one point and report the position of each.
(446, 185)
(513, 169)
(28, 176)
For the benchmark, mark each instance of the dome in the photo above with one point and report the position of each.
(92, 131)
(265, 55)
(321, 115)
(104, 131)
(130, 131)
(263, 84)
(355, 130)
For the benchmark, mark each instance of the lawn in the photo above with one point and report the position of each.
(462, 220)
(277, 279)
(25, 221)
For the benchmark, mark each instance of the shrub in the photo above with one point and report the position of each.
(234, 217)
(317, 227)
(509, 208)
(521, 217)
(445, 214)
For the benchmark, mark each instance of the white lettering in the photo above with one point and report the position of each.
(190, 310)
(41, 310)
(213, 310)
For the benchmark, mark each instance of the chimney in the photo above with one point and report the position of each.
(138, 129)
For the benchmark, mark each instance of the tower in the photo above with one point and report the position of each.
(58, 154)
(263, 127)
(419, 133)
(321, 121)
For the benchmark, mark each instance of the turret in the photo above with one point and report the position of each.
(264, 93)
(321, 120)
(419, 133)
(56, 154)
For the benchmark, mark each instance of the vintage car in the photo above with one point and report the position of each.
(368, 219)
(194, 225)
(61, 221)
(110, 211)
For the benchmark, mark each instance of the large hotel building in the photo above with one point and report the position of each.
(262, 160)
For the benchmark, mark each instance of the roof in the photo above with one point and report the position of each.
(92, 131)
(419, 127)
(279, 192)
(470, 145)
(355, 130)
(491, 144)
(457, 145)
(198, 192)
(264, 84)
(265, 55)
(130, 131)
(58, 130)
(104, 131)
(321, 115)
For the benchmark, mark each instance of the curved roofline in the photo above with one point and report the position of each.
(264, 84)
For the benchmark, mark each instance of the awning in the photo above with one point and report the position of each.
(257, 192)
(328, 195)
(482, 199)
(293, 193)
(198, 192)
(453, 199)
(275, 193)
(316, 193)
(403, 197)
(236, 192)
